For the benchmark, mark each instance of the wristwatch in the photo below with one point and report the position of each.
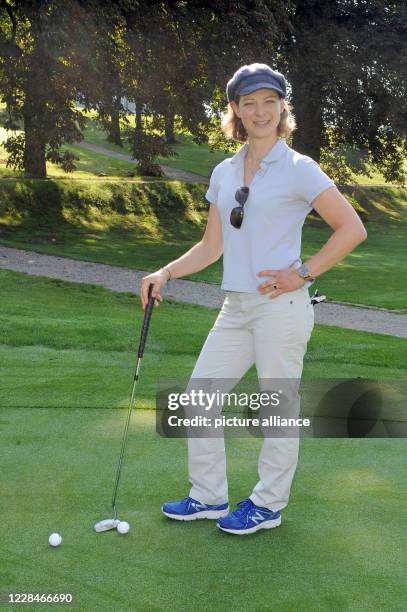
(305, 273)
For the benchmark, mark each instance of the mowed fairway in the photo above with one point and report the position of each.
(68, 354)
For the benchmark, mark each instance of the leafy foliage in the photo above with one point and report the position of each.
(146, 147)
(14, 146)
(347, 67)
(39, 82)
(345, 62)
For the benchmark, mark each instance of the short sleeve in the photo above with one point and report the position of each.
(212, 194)
(311, 180)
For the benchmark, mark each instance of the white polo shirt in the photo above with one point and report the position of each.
(281, 195)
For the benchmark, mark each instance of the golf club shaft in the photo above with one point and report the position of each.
(143, 337)
(123, 448)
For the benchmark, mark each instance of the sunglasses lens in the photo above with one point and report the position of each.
(241, 195)
(236, 216)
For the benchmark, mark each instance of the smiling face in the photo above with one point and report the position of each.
(260, 112)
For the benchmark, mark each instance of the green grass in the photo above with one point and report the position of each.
(68, 353)
(374, 274)
(193, 157)
(65, 329)
(88, 165)
(190, 156)
(341, 545)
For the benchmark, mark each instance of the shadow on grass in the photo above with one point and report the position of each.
(156, 210)
(33, 203)
(385, 204)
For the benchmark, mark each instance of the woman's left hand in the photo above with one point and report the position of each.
(280, 282)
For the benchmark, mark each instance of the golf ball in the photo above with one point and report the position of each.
(123, 527)
(55, 539)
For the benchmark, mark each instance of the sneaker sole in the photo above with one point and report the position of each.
(208, 514)
(265, 525)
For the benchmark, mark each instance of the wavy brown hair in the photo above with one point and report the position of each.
(233, 128)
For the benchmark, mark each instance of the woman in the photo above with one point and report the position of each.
(259, 199)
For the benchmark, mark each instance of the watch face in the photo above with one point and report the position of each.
(304, 271)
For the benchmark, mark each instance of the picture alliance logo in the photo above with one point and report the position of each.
(222, 421)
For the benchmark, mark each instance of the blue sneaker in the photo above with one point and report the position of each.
(189, 509)
(248, 518)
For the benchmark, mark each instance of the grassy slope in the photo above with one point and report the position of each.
(146, 227)
(69, 352)
(190, 156)
(89, 164)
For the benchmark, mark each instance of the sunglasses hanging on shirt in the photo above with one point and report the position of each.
(236, 216)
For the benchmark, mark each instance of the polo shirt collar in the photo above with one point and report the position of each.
(276, 151)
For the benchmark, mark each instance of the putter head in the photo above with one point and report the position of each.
(106, 525)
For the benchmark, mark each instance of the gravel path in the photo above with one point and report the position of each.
(172, 173)
(121, 279)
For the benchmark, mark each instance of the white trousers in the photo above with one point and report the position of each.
(273, 334)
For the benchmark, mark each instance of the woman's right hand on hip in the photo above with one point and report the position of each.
(159, 279)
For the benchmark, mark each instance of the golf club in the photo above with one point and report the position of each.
(112, 523)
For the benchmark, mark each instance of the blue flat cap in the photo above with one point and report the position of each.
(255, 76)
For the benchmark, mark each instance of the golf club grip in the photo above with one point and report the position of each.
(146, 322)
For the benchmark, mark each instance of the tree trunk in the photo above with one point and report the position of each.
(169, 128)
(114, 128)
(156, 121)
(34, 148)
(35, 109)
(307, 107)
(307, 83)
(138, 122)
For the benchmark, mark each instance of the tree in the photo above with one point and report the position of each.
(181, 53)
(39, 81)
(104, 53)
(346, 63)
